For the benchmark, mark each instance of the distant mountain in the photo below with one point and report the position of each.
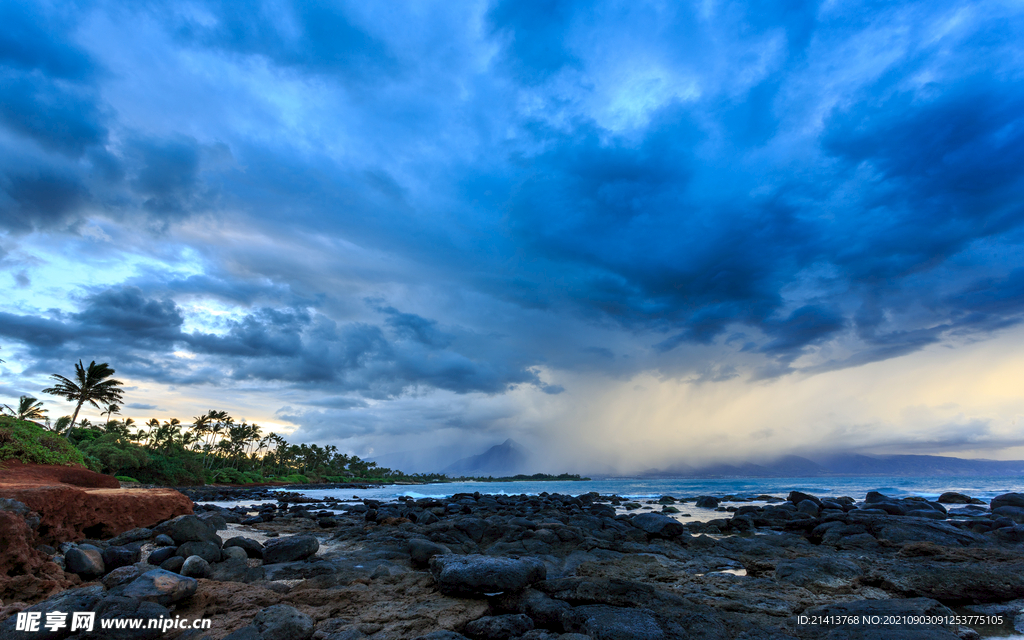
(848, 464)
(505, 459)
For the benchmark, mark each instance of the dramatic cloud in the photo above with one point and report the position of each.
(344, 215)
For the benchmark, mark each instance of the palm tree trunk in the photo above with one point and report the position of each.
(78, 408)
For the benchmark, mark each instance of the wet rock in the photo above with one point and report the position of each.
(952, 497)
(86, 561)
(1013, 513)
(602, 622)
(952, 581)
(929, 514)
(476, 575)
(188, 529)
(162, 587)
(206, 550)
(543, 610)
(174, 563)
(290, 549)
(121, 575)
(421, 551)
(139, 534)
(228, 553)
(163, 540)
(157, 556)
(818, 573)
(499, 627)
(114, 557)
(1007, 500)
(442, 635)
(810, 507)
(252, 548)
(706, 502)
(236, 570)
(283, 622)
(796, 497)
(659, 525)
(195, 567)
(215, 520)
(941, 533)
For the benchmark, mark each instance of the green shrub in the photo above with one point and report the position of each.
(295, 478)
(28, 442)
(115, 452)
(127, 479)
(182, 469)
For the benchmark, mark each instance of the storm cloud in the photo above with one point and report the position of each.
(362, 206)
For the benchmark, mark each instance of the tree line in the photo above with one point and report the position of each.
(213, 447)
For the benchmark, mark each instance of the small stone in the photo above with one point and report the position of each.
(233, 552)
(164, 540)
(195, 567)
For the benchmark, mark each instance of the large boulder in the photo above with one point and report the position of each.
(476, 575)
(289, 549)
(206, 550)
(602, 622)
(283, 622)
(1013, 513)
(952, 497)
(706, 502)
(656, 524)
(85, 560)
(252, 548)
(188, 528)
(796, 497)
(1007, 500)
(114, 557)
(421, 551)
(161, 587)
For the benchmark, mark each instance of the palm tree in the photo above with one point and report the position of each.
(28, 409)
(110, 410)
(92, 386)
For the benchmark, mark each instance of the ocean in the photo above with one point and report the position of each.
(984, 488)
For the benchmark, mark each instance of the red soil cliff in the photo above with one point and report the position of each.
(72, 503)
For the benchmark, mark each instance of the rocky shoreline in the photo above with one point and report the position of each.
(536, 567)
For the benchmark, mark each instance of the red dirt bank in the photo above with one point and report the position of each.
(72, 503)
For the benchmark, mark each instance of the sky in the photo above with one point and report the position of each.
(624, 234)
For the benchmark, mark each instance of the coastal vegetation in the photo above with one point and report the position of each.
(213, 448)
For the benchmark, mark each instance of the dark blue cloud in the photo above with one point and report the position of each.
(609, 188)
(36, 37)
(317, 37)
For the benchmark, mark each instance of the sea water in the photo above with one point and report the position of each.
(982, 487)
